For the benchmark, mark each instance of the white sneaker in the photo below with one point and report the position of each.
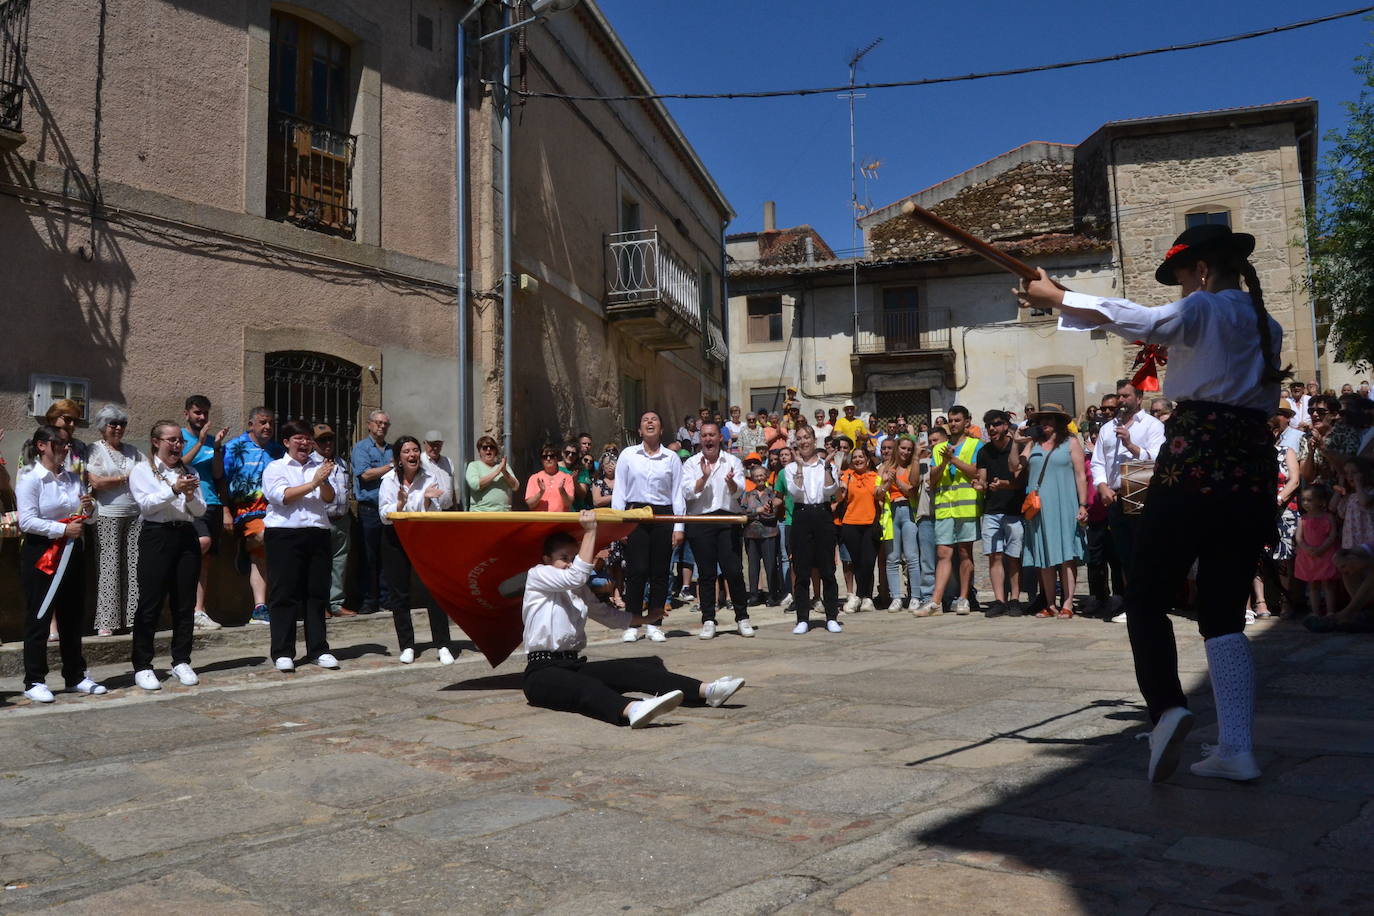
(186, 674)
(833, 626)
(326, 660)
(1119, 618)
(285, 664)
(708, 630)
(631, 635)
(722, 689)
(851, 604)
(1239, 767)
(914, 604)
(818, 605)
(896, 605)
(929, 609)
(787, 601)
(203, 622)
(147, 679)
(642, 712)
(39, 693)
(445, 656)
(801, 628)
(1166, 742)
(655, 634)
(407, 656)
(1249, 616)
(960, 606)
(745, 627)
(867, 605)
(90, 687)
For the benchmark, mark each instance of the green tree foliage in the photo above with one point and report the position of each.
(1341, 228)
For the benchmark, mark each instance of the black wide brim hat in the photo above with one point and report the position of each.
(1198, 242)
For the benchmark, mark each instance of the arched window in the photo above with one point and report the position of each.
(315, 388)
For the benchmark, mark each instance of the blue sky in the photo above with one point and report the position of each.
(796, 151)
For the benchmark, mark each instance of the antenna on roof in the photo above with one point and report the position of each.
(855, 210)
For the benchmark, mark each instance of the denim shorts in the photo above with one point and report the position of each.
(1002, 534)
(949, 531)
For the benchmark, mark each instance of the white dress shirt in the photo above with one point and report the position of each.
(309, 511)
(1299, 406)
(816, 490)
(157, 501)
(823, 431)
(1214, 346)
(655, 480)
(716, 495)
(556, 607)
(416, 501)
(338, 479)
(43, 497)
(1147, 433)
(441, 472)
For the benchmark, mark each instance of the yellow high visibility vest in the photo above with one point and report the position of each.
(955, 496)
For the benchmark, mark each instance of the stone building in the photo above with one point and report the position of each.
(256, 201)
(918, 324)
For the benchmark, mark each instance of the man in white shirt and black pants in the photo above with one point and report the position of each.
(649, 475)
(712, 481)
(812, 481)
(1131, 435)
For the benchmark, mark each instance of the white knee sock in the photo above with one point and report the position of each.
(1232, 669)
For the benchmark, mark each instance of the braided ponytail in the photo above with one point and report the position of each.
(1272, 373)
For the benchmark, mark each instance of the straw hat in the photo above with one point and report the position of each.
(1050, 409)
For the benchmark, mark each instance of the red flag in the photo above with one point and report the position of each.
(1149, 359)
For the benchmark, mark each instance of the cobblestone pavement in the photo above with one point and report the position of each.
(953, 764)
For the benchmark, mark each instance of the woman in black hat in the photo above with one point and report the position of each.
(1211, 497)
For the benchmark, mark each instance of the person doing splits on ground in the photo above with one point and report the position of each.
(556, 607)
(53, 507)
(409, 487)
(712, 483)
(649, 475)
(1211, 496)
(169, 501)
(296, 539)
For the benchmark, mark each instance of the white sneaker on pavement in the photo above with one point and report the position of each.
(818, 605)
(960, 606)
(833, 626)
(631, 634)
(786, 602)
(746, 628)
(851, 604)
(929, 609)
(1119, 618)
(90, 687)
(642, 712)
(407, 656)
(445, 656)
(708, 630)
(867, 605)
(326, 660)
(147, 679)
(285, 664)
(914, 604)
(655, 634)
(203, 622)
(722, 689)
(897, 605)
(1166, 742)
(39, 693)
(1239, 767)
(186, 674)
(801, 628)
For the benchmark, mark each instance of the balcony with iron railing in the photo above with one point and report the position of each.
(310, 175)
(715, 342)
(904, 331)
(14, 27)
(651, 293)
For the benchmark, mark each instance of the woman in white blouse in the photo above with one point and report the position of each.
(409, 487)
(108, 465)
(296, 535)
(1211, 499)
(53, 506)
(167, 493)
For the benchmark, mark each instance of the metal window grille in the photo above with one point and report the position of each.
(314, 388)
(914, 404)
(310, 175)
(903, 330)
(14, 29)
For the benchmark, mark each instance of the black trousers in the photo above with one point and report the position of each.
(812, 540)
(398, 571)
(1104, 570)
(69, 604)
(719, 545)
(764, 552)
(595, 688)
(373, 584)
(168, 568)
(298, 567)
(648, 551)
(862, 543)
(1125, 529)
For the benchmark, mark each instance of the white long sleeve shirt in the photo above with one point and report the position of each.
(338, 479)
(654, 480)
(390, 491)
(556, 607)
(1146, 432)
(715, 496)
(42, 498)
(442, 472)
(309, 511)
(815, 489)
(157, 501)
(1214, 345)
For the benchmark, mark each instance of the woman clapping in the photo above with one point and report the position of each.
(409, 488)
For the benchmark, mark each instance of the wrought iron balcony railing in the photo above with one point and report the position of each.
(310, 175)
(14, 28)
(643, 270)
(904, 330)
(715, 342)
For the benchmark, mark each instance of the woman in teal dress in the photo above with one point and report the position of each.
(1054, 537)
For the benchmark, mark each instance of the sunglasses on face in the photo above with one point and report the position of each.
(548, 457)
(486, 448)
(1318, 412)
(120, 424)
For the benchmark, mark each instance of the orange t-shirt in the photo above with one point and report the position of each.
(859, 507)
(558, 490)
(895, 494)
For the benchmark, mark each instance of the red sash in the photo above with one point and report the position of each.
(47, 563)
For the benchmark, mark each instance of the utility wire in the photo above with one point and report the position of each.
(932, 81)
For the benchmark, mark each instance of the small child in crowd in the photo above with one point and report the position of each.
(1316, 540)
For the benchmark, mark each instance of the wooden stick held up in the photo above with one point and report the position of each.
(972, 242)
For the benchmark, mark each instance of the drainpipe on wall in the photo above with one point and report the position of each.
(507, 286)
(460, 181)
